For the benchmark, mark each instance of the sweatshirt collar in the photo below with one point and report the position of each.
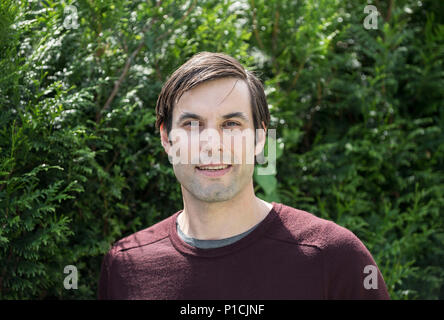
(260, 229)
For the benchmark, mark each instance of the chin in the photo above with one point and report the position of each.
(215, 196)
(212, 193)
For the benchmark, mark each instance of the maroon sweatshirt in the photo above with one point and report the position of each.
(291, 254)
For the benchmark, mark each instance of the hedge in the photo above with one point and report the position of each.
(359, 115)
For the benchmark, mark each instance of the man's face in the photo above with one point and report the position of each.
(215, 167)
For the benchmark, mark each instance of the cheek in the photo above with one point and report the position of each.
(180, 149)
(243, 174)
(183, 173)
(244, 149)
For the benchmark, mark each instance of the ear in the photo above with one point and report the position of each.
(260, 139)
(166, 143)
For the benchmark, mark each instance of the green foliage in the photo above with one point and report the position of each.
(359, 118)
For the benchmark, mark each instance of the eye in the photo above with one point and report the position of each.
(231, 124)
(191, 123)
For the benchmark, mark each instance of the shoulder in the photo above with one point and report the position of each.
(344, 257)
(143, 238)
(304, 228)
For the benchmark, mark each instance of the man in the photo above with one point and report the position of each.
(227, 243)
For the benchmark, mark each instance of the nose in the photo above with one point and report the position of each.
(211, 146)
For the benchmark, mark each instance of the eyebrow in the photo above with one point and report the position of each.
(190, 115)
(240, 115)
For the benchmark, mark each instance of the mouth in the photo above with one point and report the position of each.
(214, 170)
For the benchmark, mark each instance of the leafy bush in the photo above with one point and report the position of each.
(358, 113)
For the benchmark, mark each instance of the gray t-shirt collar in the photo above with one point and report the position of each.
(211, 244)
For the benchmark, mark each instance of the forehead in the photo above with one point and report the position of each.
(215, 98)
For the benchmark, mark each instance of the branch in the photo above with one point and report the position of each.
(274, 41)
(256, 33)
(298, 74)
(389, 11)
(134, 54)
(119, 82)
(275, 29)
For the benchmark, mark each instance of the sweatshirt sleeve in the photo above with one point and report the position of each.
(104, 280)
(350, 271)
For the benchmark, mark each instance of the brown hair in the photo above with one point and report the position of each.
(203, 67)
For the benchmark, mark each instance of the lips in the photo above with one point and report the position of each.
(213, 167)
(213, 170)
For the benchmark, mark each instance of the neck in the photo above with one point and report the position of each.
(219, 220)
